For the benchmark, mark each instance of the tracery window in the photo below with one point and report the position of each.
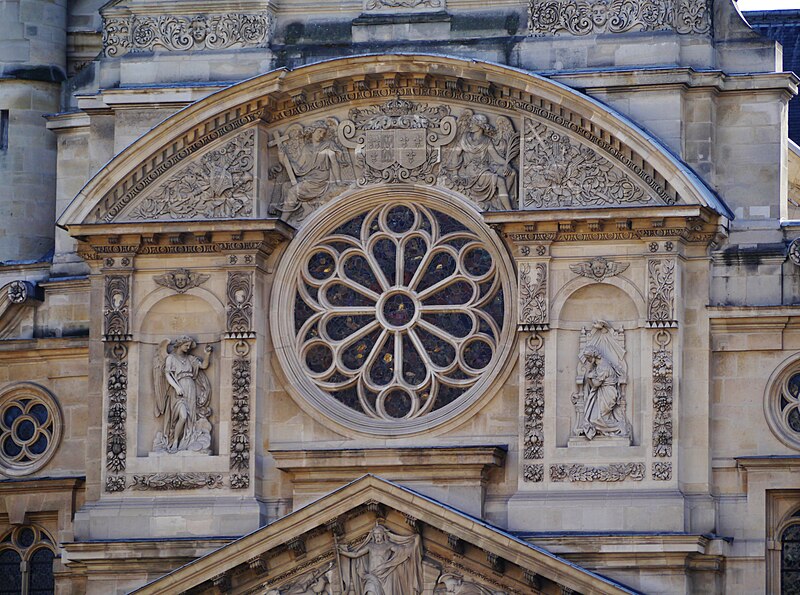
(783, 405)
(26, 562)
(398, 314)
(790, 560)
(30, 429)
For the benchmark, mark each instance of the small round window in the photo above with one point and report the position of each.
(399, 313)
(783, 405)
(30, 429)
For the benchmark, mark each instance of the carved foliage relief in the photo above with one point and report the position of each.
(534, 398)
(240, 303)
(116, 307)
(217, 185)
(533, 303)
(661, 292)
(116, 440)
(588, 473)
(590, 17)
(663, 387)
(384, 4)
(240, 422)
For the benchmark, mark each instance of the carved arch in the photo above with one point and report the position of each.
(569, 289)
(159, 295)
(283, 96)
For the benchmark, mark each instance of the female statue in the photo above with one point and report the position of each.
(603, 401)
(182, 393)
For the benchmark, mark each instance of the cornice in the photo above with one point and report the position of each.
(40, 485)
(769, 463)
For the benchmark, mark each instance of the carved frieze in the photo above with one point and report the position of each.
(117, 385)
(181, 280)
(240, 304)
(598, 269)
(218, 185)
(588, 473)
(663, 387)
(592, 17)
(661, 293)
(116, 315)
(176, 481)
(146, 33)
(370, 5)
(458, 585)
(240, 423)
(561, 172)
(534, 398)
(533, 298)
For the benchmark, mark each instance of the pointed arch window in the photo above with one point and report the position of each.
(26, 562)
(790, 558)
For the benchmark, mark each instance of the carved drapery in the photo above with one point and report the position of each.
(588, 473)
(176, 481)
(661, 293)
(240, 305)
(146, 33)
(590, 17)
(533, 296)
(116, 308)
(116, 438)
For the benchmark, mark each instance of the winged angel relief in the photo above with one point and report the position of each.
(182, 397)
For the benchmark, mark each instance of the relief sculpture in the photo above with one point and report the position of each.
(182, 397)
(455, 584)
(314, 582)
(602, 378)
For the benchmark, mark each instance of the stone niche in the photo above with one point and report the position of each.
(605, 316)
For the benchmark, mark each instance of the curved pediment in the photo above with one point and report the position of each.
(286, 142)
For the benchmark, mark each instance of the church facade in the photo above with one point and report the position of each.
(397, 297)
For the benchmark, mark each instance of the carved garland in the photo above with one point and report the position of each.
(176, 481)
(587, 473)
(534, 398)
(379, 4)
(663, 387)
(240, 421)
(116, 439)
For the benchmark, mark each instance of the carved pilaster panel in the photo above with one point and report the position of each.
(240, 305)
(240, 424)
(116, 308)
(661, 273)
(663, 389)
(533, 447)
(116, 437)
(534, 303)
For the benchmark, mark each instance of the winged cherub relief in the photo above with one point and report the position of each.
(182, 397)
(599, 268)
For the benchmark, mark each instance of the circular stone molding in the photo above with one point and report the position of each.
(393, 311)
(30, 428)
(782, 403)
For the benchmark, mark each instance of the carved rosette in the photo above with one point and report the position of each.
(533, 296)
(116, 315)
(589, 17)
(533, 447)
(662, 471)
(176, 481)
(145, 33)
(533, 473)
(240, 423)
(116, 439)
(663, 387)
(587, 473)
(661, 293)
(240, 305)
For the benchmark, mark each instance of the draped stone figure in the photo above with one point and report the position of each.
(385, 564)
(182, 396)
(314, 582)
(455, 584)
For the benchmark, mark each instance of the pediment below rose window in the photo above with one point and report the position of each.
(286, 143)
(372, 532)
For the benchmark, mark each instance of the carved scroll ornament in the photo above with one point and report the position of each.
(661, 294)
(176, 481)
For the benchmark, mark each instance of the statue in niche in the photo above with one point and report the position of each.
(479, 163)
(602, 379)
(182, 396)
(385, 564)
(314, 582)
(315, 167)
(456, 585)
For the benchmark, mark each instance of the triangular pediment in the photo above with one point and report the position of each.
(371, 535)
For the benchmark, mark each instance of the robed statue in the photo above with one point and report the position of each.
(182, 397)
(385, 564)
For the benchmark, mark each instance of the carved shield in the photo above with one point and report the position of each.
(380, 148)
(412, 149)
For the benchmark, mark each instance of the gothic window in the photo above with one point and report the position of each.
(398, 314)
(26, 562)
(30, 429)
(790, 560)
(783, 406)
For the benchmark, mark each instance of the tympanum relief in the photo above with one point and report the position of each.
(182, 397)
(600, 405)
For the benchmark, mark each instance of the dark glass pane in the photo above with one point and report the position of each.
(348, 397)
(414, 369)
(26, 537)
(478, 354)
(446, 395)
(302, 312)
(313, 292)
(440, 267)
(790, 583)
(39, 446)
(382, 371)
(11, 448)
(441, 352)
(339, 246)
(791, 555)
(341, 327)
(321, 265)
(455, 323)
(341, 295)
(357, 353)
(319, 358)
(456, 293)
(337, 378)
(794, 385)
(413, 252)
(10, 573)
(398, 310)
(39, 413)
(10, 414)
(424, 223)
(794, 419)
(385, 252)
(447, 224)
(397, 404)
(357, 269)
(485, 287)
(484, 328)
(352, 228)
(400, 219)
(41, 573)
(25, 430)
(458, 243)
(313, 332)
(458, 374)
(792, 533)
(478, 262)
(495, 309)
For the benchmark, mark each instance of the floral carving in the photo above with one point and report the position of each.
(662, 471)
(662, 395)
(561, 172)
(115, 483)
(176, 481)
(139, 33)
(20, 291)
(793, 253)
(533, 295)
(240, 303)
(117, 383)
(115, 310)
(533, 473)
(587, 473)
(534, 398)
(599, 268)
(661, 294)
(218, 185)
(181, 280)
(240, 422)
(590, 17)
(379, 4)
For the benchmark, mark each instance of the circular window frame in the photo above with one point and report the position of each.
(308, 396)
(772, 410)
(30, 390)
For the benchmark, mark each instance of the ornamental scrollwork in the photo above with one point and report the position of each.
(181, 280)
(140, 33)
(176, 481)
(560, 172)
(533, 310)
(117, 384)
(240, 303)
(599, 269)
(218, 185)
(661, 292)
(534, 398)
(587, 473)
(116, 315)
(663, 387)
(592, 17)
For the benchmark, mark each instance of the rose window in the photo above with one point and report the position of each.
(30, 427)
(398, 313)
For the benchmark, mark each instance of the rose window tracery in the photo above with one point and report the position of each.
(398, 312)
(30, 428)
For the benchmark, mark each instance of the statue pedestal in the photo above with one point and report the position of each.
(598, 441)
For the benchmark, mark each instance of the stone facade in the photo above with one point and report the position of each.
(536, 264)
